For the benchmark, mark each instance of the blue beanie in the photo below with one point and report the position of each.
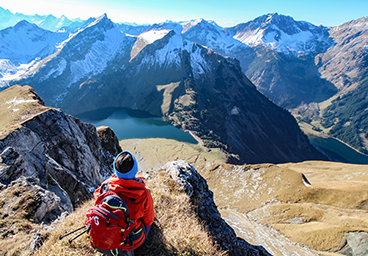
(129, 175)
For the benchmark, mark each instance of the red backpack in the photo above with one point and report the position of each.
(111, 222)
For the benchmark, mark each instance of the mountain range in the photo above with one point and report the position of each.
(162, 73)
(286, 60)
(49, 22)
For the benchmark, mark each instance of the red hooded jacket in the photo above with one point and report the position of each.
(134, 189)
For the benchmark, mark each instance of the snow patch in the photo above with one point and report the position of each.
(299, 41)
(55, 72)
(279, 40)
(167, 55)
(190, 24)
(16, 101)
(235, 111)
(25, 42)
(152, 36)
(198, 63)
(11, 72)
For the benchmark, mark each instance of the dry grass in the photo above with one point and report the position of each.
(80, 246)
(168, 91)
(152, 154)
(317, 216)
(184, 234)
(17, 205)
(176, 230)
(17, 105)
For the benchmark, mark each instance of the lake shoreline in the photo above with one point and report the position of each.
(337, 150)
(128, 124)
(325, 136)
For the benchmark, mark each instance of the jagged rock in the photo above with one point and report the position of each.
(196, 187)
(31, 201)
(356, 244)
(109, 142)
(12, 165)
(60, 154)
(36, 241)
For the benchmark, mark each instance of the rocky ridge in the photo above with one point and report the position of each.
(56, 155)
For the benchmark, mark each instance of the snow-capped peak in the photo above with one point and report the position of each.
(97, 20)
(281, 33)
(189, 24)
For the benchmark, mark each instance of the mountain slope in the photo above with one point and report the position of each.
(282, 63)
(23, 47)
(344, 64)
(84, 54)
(275, 52)
(211, 35)
(164, 74)
(25, 41)
(50, 163)
(315, 203)
(283, 34)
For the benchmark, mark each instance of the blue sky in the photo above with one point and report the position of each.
(226, 13)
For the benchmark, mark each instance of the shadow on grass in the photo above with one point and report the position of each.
(155, 243)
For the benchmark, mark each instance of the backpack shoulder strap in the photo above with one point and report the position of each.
(104, 187)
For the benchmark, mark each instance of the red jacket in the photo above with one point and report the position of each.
(134, 189)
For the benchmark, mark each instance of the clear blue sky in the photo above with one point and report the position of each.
(226, 13)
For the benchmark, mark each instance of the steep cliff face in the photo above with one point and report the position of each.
(58, 157)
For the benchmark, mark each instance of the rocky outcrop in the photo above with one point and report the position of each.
(110, 144)
(57, 156)
(356, 244)
(196, 187)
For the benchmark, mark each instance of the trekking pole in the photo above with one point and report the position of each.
(61, 237)
(71, 240)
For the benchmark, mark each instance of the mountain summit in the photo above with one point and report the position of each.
(26, 41)
(283, 34)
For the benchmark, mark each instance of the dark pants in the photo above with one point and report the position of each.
(116, 252)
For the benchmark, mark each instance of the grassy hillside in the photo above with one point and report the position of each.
(343, 116)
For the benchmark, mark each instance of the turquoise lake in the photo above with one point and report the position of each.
(339, 150)
(129, 124)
